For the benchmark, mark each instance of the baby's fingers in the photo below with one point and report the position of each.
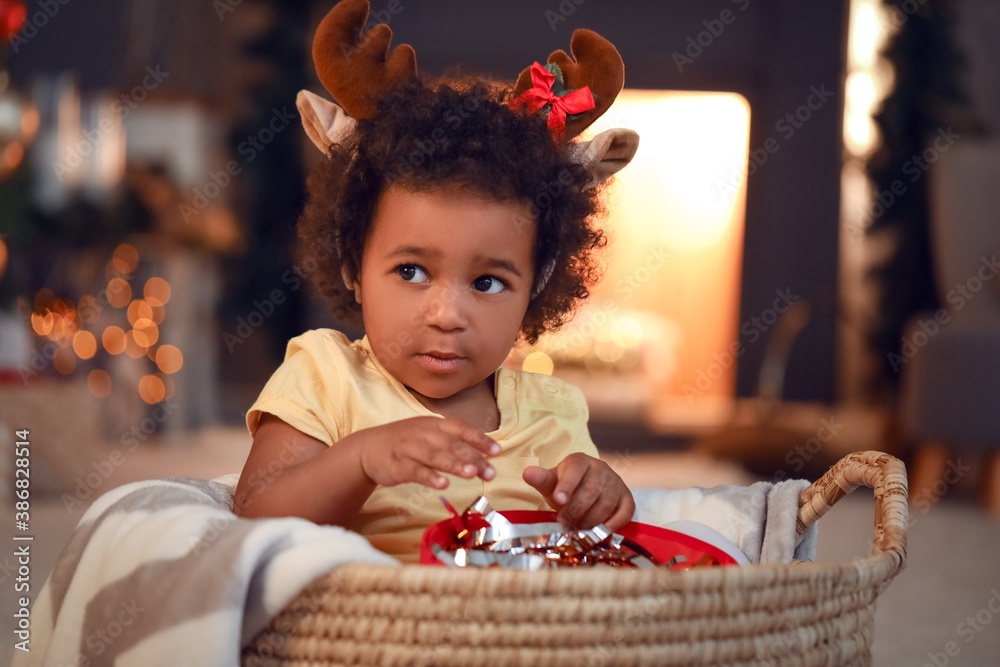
(596, 497)
(558, 484)
(622, 514)
(572, 472)
(594, 503)
(542, 479)
(458, 458)
(426, 476)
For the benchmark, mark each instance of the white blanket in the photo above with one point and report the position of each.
(760, 519)
(162, 573)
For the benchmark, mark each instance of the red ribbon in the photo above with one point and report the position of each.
(540, 94)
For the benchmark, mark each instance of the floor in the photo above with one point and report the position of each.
(939, 611)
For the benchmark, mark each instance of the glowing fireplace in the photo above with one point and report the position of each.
(659, 338)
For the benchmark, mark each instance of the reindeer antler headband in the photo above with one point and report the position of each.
(358, 68)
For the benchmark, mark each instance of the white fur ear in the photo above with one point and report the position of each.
(606, 154)
(325, 123)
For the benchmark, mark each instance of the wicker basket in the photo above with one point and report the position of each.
(797, 614)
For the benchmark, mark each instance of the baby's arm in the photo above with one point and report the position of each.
(289, 473)
(585, 491)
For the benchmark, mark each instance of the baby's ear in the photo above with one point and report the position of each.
(325, 123)
(352, 283)
(606, 154)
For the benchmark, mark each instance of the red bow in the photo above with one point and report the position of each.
(541, 94)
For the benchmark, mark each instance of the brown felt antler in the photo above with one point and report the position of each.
(358, 68)
(595, 63)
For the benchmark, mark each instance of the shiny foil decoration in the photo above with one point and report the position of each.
(482, 537)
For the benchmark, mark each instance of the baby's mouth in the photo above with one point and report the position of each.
(440, 362)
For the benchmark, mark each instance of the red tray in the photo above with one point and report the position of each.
(663, 543)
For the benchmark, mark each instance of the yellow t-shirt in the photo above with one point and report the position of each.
(328, 387)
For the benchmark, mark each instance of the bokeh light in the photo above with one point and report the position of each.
(139, 310)
(84, 344)
(113, 340)
(99, 383)
(3, 257)
(119, 292)
(125, 259)
(59, 321)
(169, 359)
(538, 362)
(151, 389)
(41, 323)
(14, 19)
(626, 332)
(156, 291)
(145, 333)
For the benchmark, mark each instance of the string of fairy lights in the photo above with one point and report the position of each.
(73, 328)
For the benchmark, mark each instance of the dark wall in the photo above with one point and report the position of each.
(109, 43)
(774, 52)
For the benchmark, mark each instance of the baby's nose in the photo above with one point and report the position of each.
(445, 308)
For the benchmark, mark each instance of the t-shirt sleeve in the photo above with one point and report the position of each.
(299, 394)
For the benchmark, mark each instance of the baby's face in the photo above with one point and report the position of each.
(445, 282)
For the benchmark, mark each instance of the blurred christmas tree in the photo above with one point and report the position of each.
(926, 98)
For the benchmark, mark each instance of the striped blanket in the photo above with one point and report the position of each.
(162, 573)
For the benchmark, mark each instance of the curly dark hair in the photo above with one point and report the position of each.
(427, 136)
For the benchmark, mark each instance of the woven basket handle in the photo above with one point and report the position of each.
(885, 474)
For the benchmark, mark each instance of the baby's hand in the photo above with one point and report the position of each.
(420, 449)
(585, 491)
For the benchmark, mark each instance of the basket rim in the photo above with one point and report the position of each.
(384, 577)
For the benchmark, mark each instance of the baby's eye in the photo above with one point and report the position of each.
(411, 273)
(488, 284)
